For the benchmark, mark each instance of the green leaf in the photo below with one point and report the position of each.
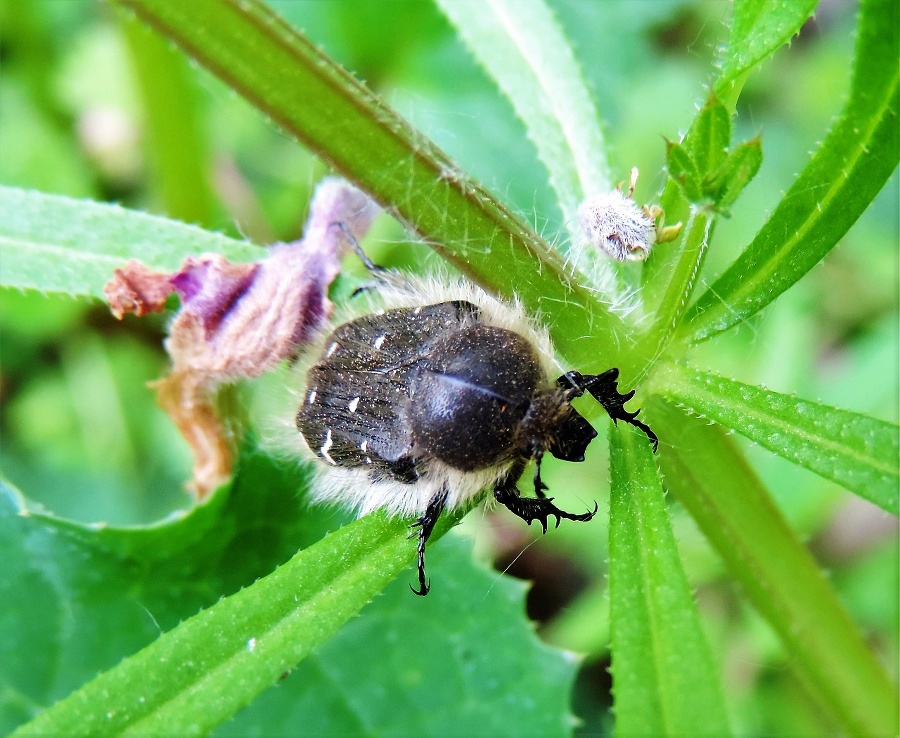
(402, 646)
(735, 174)
(712, 480)
(665, 680)
(683, 169)
(289, 79)
(197, 675)
(758, 29)
(524, 50)
(708, 137)
(55, 244)
(856, 451)
(83, 597)
(855, 160)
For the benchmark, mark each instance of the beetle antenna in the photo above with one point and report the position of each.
(351, 239)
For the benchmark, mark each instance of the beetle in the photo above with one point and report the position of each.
(442, 393)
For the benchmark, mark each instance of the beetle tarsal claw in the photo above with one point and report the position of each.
(531, 508)
(604, 389)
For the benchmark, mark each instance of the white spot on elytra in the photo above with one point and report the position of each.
(325, 446)
(331, 349)
(379, 341)
(311, 398)
(364, 446)
(353, 404)
(417, 311)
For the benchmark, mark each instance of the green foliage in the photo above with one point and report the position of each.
(524, 50)
(128, 585)
(242, 608)
(709, 136)
(779, 575)
(395, 654)
(55, 244)
(758, 29)
(856, 451)
(709, 176)
(708, 172)
(851, 166)
(665, 679)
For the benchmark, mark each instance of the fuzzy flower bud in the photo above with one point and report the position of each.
(613, 222)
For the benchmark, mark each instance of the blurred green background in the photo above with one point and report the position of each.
(94, 106)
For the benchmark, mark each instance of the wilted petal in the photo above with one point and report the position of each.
(137, 289)
(210, 285)
(283, 304)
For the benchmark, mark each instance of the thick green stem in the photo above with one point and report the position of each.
(285, 76)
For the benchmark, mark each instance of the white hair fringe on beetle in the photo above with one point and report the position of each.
(434, 392)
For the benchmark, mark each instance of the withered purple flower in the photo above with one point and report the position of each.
(240, 320)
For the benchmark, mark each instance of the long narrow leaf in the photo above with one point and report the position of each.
(55, 244)
(758, 29)
(856, 451)
(713, 481)
(683, 264)
(289, 79)
(525, 51)
(665, 680)
(849, 169)
(199, 674)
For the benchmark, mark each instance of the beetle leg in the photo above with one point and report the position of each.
(425, 525)
(539, 486)
(530, 508)
(604, 389)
